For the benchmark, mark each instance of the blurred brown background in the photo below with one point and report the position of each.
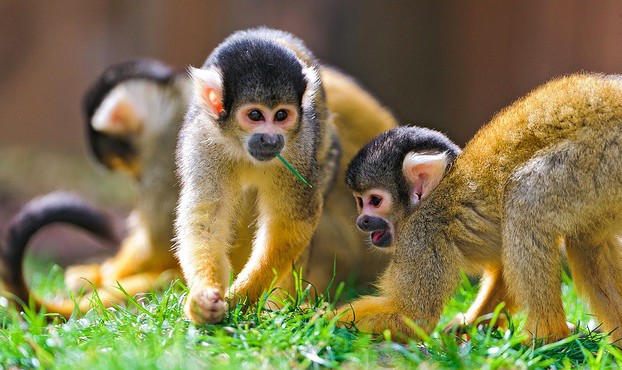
(446, 64)
(449, 65)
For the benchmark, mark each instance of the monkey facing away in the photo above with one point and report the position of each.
(133, 115)
(545, 170)
(261, 94)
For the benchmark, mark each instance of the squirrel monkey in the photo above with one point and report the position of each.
(545, 172)
(133, 114)
(261, 94)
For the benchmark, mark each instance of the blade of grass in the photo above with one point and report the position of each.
(291, 168)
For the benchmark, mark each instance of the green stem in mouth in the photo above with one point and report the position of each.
(291, 168)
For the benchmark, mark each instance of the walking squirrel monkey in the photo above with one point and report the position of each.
(261, 94)
(545, 172)
(133, 115)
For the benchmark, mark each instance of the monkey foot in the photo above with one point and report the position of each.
(205, 306)
(83, 277)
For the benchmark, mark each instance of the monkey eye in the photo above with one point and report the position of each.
(375, 200)
(280, 115)
(255, 115)
(359, 202)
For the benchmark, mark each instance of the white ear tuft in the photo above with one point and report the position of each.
(208, 88)
(117, 114)
(312, 77)
(423, 172)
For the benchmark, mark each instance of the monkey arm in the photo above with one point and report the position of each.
(281, 238)
(205, 225)
(415, 286)
(376, 314)
(204, 242)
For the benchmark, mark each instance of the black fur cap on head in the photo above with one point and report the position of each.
(379, 163)
(146, 69)
(256, 68)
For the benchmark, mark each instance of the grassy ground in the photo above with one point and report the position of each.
(151, 333)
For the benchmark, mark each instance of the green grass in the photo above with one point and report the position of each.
(150, 332)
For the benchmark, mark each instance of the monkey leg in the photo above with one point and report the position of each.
(138, 254)
(109, 294)
(531, 252)
(208, 280)
(414, 288)
(597, 273)
(492, 292)
(532, 269)
(83, 277)
(275, 250)
(205, 302)
(573, 188)
(204, 232)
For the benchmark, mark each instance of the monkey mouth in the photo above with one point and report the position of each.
(381, 238)
(262, 155)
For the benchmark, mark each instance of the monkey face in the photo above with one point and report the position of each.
(267, 128)
(374, 207)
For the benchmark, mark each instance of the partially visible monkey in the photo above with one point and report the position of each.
(260, 94)
(544, 170)
(133, 113)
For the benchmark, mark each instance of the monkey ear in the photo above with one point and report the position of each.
(117, 115)
(423, 172)
(208, 88)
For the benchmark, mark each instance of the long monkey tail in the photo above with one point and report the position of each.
(52, 208)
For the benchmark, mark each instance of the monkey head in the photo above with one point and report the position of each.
(393, 173)
(258, 92)
(130, 101)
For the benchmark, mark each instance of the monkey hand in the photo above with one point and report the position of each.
(377, 315)
(205, 306)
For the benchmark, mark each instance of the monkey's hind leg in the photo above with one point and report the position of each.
(597, 273)
(531, 252)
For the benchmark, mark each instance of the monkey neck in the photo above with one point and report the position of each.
(466, 215)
